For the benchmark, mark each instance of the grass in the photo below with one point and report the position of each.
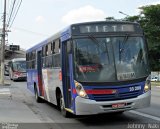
(155, 83)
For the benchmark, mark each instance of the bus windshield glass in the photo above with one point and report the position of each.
(110, 59)
(19, 66)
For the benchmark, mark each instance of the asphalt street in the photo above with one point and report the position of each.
(19, 110)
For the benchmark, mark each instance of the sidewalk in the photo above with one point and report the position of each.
(6, 83)
(5, 90)
(13, 110)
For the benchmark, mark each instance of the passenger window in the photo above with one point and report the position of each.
(57, 46)
(46, 50)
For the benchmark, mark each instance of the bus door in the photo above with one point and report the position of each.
(66, 73)
(39, 70)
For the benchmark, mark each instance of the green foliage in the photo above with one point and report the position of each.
(109, 18)
(149, 20)
(133, 18)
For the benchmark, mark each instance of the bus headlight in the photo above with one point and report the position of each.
(80, 90)
(147, 86)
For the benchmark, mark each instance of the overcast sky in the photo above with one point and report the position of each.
(39, 19)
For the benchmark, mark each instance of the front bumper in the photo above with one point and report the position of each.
(20, 78)
(88, 107)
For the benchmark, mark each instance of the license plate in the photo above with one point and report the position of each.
(119, 105)
(24, 74)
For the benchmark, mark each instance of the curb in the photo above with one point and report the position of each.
(6, 83)
(5, 93)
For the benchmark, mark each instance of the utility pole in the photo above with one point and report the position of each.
(3, 45)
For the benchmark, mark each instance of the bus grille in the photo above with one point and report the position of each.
(119, 96)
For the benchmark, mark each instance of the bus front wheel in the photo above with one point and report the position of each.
(62, 108)
(10, 77)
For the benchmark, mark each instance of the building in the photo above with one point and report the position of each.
(10, 54)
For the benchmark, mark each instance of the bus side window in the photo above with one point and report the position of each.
(57, 46)
(48, 57)
(30, 58)
(53, 47)
(27, 60)
(67, 55)
(56, 59)
(46, 50)
(27, 57)
(49, 49)
(33, 59)
(56, 53)
(43, 56)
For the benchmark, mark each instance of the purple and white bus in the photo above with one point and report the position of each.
(92, 68)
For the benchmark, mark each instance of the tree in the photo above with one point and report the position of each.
(149, 20)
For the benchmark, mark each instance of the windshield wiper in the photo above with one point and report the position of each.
(94, 39)
(121, 49)
(123, 43)
(99, 45)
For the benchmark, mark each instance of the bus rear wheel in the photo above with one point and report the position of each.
(38, 99)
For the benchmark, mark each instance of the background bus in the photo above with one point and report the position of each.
(92, 68)
(17, 69)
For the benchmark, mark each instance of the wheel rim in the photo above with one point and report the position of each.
(61, 104)
(36, 95)
(63, 111)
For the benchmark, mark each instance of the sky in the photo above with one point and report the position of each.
(39, 19)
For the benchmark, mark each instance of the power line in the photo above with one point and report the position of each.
(29, 31)
(15, 14)
(1, 7)
(1, 11)
(9, 8)
(11, 12)
(16, 6)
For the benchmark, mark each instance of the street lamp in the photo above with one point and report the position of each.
(124, 13)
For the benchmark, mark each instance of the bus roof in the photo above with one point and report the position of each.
(67, 31)
(116, 21)
(53, 37)
(18, 59)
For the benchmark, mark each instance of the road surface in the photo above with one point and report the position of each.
(18, 106)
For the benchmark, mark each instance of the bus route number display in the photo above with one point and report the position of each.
(106, 28)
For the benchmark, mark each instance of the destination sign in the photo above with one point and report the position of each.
(106, 28)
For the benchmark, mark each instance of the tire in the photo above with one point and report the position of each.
(65, 113)
(10, 77)
(14, 80)
(38, 99)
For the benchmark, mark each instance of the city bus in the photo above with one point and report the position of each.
(17, 69)
(92, 68)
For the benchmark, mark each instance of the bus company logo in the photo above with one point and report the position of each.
(117, 94)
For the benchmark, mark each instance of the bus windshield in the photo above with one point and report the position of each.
(110, 59)
(19, 66)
